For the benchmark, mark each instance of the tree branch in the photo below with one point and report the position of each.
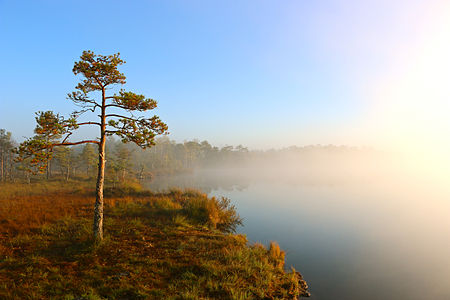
(93, 103)
(65, 139)
(76, 143)
(115, 105)
(89, 123)
(120, 116)
(81, 99)
(83, 123)
(99, 83)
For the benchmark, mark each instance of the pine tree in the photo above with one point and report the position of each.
(100, 74)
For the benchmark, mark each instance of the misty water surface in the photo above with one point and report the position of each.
(352, 236)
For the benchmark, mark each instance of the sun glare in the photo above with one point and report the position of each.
(413, 101)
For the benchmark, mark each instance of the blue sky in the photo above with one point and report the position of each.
(258, 73)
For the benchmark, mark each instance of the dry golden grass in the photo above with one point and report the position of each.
(156, 246)
(25, 207)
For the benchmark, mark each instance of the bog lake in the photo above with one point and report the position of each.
(352, 237)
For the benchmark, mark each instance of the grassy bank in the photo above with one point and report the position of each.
(174, 245)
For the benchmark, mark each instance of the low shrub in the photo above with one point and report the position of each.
(216, 213)
(276, 255)
(125, 188)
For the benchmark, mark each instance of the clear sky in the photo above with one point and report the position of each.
(258, 73)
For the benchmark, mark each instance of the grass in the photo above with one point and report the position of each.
(174, 245)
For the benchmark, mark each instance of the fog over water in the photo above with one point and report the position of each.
(358, 223)
(356, 227)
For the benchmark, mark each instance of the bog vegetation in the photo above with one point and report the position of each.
(173, 245)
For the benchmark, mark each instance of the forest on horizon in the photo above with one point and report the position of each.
(166, 157)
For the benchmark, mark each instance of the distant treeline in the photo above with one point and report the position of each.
(126, 161)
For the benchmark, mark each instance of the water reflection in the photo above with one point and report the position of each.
(205, 180)
(352, 237)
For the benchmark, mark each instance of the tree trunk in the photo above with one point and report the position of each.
(98, 209)
(68, 172)
(1, 159)
(141, 173)
(48, 168)
(48, 163)
(10, 167)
